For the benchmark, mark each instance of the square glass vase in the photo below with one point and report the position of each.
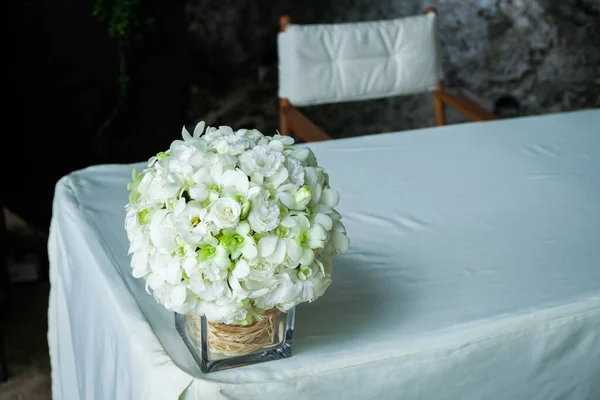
(217, 347)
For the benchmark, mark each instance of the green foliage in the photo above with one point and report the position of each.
(126, 22)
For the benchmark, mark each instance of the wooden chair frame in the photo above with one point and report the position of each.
(292, 120)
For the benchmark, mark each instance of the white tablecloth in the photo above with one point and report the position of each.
(473, 273)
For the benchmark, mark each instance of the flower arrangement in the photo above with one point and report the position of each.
(230, 225)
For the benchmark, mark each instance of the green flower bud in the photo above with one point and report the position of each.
(245, 209)
(300, 274)
(307, 271)
(206, 252)
(303, 195)
(232, 241)
(246, 321)
(143, 216)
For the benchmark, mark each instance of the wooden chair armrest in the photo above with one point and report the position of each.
(467, 107)
(302, 126)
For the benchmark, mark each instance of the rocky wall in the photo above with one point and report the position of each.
(519, 57)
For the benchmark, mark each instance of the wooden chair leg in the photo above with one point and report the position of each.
(439, 108)
(284, 127)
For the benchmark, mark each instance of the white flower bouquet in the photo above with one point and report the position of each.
(230, 225)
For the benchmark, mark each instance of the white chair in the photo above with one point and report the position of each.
(331, 63)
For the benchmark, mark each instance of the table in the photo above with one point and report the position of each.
(473, 273)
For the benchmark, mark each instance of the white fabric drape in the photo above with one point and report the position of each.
(473, 273)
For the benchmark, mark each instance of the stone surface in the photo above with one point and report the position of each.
(541, 53)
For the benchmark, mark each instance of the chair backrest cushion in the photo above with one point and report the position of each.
(332, 63)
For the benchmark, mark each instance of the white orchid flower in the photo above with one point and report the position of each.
(222, 310)
(313, 286)
(294, 197)
(280, 251)
(213, 259)
(340, 241)
(193, 223)
(163, 231)
(309, 237)
(238, 242)
(190, 140)
(158, 188)
(330, 197)
(305, 155)
(174, 297)
(234, 182)
(168, 269)
(205, 288)
(138, 239)
(276, 180)
(139, 264)
(284, 290)
(228, 225)
(285, 140)
(314, 178)
(272, 248)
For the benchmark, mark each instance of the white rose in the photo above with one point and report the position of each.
(264, 215)
(225, 212)
(261, 160)
(234, 184)
(260, 270)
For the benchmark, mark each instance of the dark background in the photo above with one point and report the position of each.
(215, 60)
(64, 85)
